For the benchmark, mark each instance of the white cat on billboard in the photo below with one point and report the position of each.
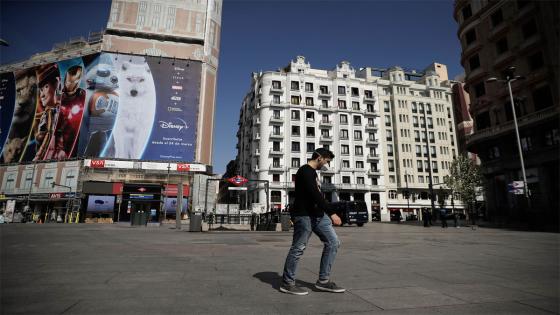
(137, 108)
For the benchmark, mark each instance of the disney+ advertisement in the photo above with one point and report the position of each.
(102, 105)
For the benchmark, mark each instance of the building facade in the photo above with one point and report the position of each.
(495, 36)
(288, 113)
(135, 103)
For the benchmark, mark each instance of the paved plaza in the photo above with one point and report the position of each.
(387, 269)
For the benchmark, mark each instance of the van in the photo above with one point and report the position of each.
(351, 212)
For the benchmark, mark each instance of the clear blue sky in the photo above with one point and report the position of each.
(266, 35)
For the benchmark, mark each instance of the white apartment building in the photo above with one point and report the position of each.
(290, 112)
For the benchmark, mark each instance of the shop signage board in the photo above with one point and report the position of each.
(237, 188)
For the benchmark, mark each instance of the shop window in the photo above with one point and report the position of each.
(542, 98)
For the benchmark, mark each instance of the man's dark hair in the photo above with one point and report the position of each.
(322, 152)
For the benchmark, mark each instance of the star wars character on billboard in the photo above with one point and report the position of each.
(102, 104)
(22, 120)
(72, 107)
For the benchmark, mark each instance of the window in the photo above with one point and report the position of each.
(310, 147)
(310, 131)
(49, 179)
(294, 86)
(345, 164)
(355, 91)
(308, 87)
(497, 18)
(474, 62)
(501, 46)
(552, 137)
(324, 89)
(155, 16)
(170, 24)
(276, 114)
(295, 115)
(391, 165)
(11, 181)
(535, 61)
(479, 89)
(341, 104)
(482, 121)
(295, 100)
(421, 179)
(526, 143)
(355, 105)
(390, 150)
(467, 12)
(344, 149)
(341, 90)
(357, 120)
(327, 179)
(275, 196)
(360, 180)
(309, 101)
(309, 116)
(529, 29)
(470, 36)
(275, 177)
(295, 146)
(368, 93)
(295, 131)
(276, 130)
(393, 194)
(28, 179)
(346, 179)
(276, 99)
(276, 85)
(344, 134)
(386, 106)
(389, 134)
(387, 120)
(359, 150)
(542, 98)
(295, 162)
(324, 103)
(359, 164)
(344, 119)
(419, 166)
(357, 135)
(70, 178)
(325, 133)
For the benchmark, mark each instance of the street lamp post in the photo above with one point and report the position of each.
(510, 78)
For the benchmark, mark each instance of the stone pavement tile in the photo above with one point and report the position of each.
(147, 277)
(462, 276)
(482, 293)
(551, 305)
(355, 280)
(323, 303)
(549, 288)
(36, 305)
(406, 297)
(499, 308)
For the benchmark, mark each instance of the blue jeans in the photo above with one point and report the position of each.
(303, 226)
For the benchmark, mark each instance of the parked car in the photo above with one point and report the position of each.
(351, 212)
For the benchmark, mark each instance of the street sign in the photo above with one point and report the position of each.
(237, 188)
(516, 187)
(237, 180)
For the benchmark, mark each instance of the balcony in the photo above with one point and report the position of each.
(257, 152)
(369, 99)
(257, 121)
(326, 138)
(324, 94)
(325, 123)
(276, 168)
(328, 186)
(276, 120)
(373, 157)
(371, 127)
(371, 141)
(276, 135)
(257, 137)
(276, 152)
(277, 105)
(326, 109)
(276, 90)
(373, 172)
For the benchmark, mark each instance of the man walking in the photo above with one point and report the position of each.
(311, 213)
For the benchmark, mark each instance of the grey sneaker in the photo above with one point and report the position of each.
(329, 287)
(292, 289)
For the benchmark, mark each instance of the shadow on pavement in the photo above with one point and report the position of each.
(274, 279)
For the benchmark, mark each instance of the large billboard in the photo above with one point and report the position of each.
(102, 105)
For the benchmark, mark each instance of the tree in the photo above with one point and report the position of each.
(464, 178)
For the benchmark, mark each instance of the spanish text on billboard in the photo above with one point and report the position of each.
(100, 105)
